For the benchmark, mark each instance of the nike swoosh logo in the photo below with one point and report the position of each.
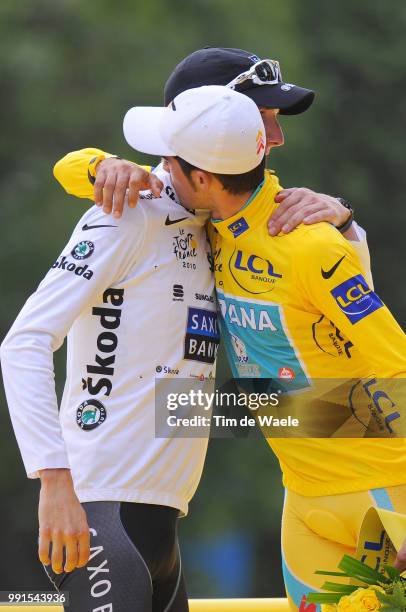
(169, 221)
(89, 227)
(329, 273)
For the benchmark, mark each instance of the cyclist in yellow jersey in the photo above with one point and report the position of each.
(298, 303)
(313, 514)
(296, 281)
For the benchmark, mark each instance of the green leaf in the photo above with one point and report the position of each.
(356, 568)
(322, 573)
(367, 581)
(392, 572)
(339, 588)
(324, 598)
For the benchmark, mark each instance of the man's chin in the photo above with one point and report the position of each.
(196, 211)
(202, 211)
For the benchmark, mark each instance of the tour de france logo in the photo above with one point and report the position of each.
(90, 414)
(184, 245)
(83, 250)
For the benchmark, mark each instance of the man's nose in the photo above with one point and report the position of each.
(274, 138)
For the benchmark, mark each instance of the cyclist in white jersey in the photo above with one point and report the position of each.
(112, 291)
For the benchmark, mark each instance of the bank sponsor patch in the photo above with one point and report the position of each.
(356, 299)
(238, 227)
(253, 273)
(202, 335)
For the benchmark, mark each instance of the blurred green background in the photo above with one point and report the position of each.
(69, 70)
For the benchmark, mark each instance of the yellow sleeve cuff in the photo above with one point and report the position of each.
(91, 169)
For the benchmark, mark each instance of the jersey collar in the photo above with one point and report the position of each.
(256, 211)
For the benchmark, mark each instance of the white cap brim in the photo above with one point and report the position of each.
(142, 130)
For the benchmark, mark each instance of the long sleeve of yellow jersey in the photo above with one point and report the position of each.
(332, 280)
(76, 173)
(77, 170)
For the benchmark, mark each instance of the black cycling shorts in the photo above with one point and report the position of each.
(134, 563)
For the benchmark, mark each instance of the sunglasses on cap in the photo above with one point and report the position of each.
(264, 72)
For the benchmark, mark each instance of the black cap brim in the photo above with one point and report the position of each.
(290, 99)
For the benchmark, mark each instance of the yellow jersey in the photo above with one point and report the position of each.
(297, 307)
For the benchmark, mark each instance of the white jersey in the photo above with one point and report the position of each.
(136, 298)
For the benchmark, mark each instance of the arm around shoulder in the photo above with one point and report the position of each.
(76, 171)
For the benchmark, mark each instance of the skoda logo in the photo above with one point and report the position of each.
(90, 414)
(83, 250)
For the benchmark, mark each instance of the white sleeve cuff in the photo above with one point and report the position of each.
(52, 462)
(361, 233)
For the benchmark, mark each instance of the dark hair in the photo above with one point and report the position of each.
(233, 183)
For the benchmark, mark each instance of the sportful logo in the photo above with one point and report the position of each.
(178, 293)
(260, 142)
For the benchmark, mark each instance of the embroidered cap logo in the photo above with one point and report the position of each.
(260, 142)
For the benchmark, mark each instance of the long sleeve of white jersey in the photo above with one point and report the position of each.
(361, 247)
(99, 253)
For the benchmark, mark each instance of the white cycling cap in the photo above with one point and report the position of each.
(212, 127)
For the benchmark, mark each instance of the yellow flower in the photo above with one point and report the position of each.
(361, 600)
(328, 608)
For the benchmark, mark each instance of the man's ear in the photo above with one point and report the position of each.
(202, 180)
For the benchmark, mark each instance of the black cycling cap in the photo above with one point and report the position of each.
(220, 66)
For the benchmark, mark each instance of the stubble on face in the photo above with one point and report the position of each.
(182, 184)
